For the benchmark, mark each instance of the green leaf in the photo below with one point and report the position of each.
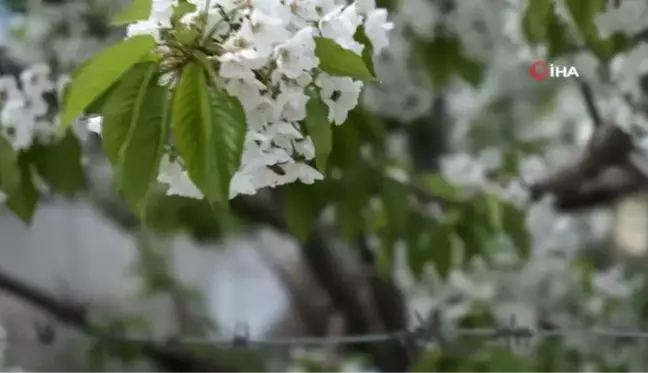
(493, 210)
(9, 169)
(387, 4)
(583, 13)
(535, 20)
(98, 74)
(96, 106)
(180, 9)
(346, 142)
(302, 204)
(319, 129)
(428, 242)
(141, 153)
(471, 71)
(427, 361)
(395, 197)
(135, 122)
(134, 131)
(557, 33)
(22, 199)
(123, 107)
(174, 214)
(608, 48)
(209, 131)
(443, 58)
(514, 224)
(352, 197)
(339, 61)
(441, 188)
(138, 10)
(186, 36)
(367, 52)
(437, 56)
(370, 128)
(59, 164)
(438, 249)
(474, 228)
(501, 359)
(96, 356)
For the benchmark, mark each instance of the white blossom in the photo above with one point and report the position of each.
(340, 94)
(266, 59)
(25, 115)
(377, 28)
(176, 178)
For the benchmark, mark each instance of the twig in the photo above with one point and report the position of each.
(170, 358)
(610, 167)
(590, 103)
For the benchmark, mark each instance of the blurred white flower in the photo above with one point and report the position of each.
(178, 181)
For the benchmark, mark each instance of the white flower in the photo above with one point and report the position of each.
(284, 129)
(26, 117)
(248, 91)
(37, 79)
(263, 31)
(340, 94)
(17, 124)
(241, 184)
(612, 284)
(296, 55)
(377, 29)
(421, 16)
(240, 64)
(289, 173)
(9, 89)
(463, 170)
(305, 147)
(177, 179)
(95, 124)
(291, 103)
(256, 157)
(312, 10)
(365, 6)
(143, 28)
(340, 25)
(216, 25)
(161, 11)
(266, 59)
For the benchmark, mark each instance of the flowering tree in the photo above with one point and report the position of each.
(220, 100)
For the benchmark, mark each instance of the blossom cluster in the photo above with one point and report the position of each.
(62, 33)
(474, 174)
(551, 287)
(266, 59)
(29, 107)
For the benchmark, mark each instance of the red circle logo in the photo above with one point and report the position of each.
(539, 70)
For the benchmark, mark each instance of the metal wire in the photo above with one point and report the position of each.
(377, 338)
(427, 331)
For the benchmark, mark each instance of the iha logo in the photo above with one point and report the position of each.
(541, 70)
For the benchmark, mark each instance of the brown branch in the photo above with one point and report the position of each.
(590, 104)
(361, 316)
(608, 168)
(170, 358)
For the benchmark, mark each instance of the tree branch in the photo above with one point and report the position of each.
(609, 168)
(320, 257)
(170, 358)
